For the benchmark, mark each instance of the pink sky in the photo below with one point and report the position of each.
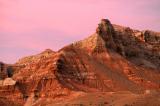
(30, 26)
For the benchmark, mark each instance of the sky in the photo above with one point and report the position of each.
(30, 26)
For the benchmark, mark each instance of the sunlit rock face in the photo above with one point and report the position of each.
(112, 59)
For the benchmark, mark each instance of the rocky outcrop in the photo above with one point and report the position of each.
(6, 70)
(106, 31)
(8, 81)
(114, 58)
(3, 74)
(151, 37)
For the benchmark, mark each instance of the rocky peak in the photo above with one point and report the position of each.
(47, 51)
(106, 31)
(101, 40)
(36, 58)
(105, 27)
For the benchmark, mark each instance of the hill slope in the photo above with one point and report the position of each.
(113, 59)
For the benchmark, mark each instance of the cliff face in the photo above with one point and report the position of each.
(114, 58)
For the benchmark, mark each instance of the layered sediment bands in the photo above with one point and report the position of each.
(114, 58)
(79, 71)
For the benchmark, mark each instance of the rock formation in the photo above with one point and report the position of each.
(114, 58)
